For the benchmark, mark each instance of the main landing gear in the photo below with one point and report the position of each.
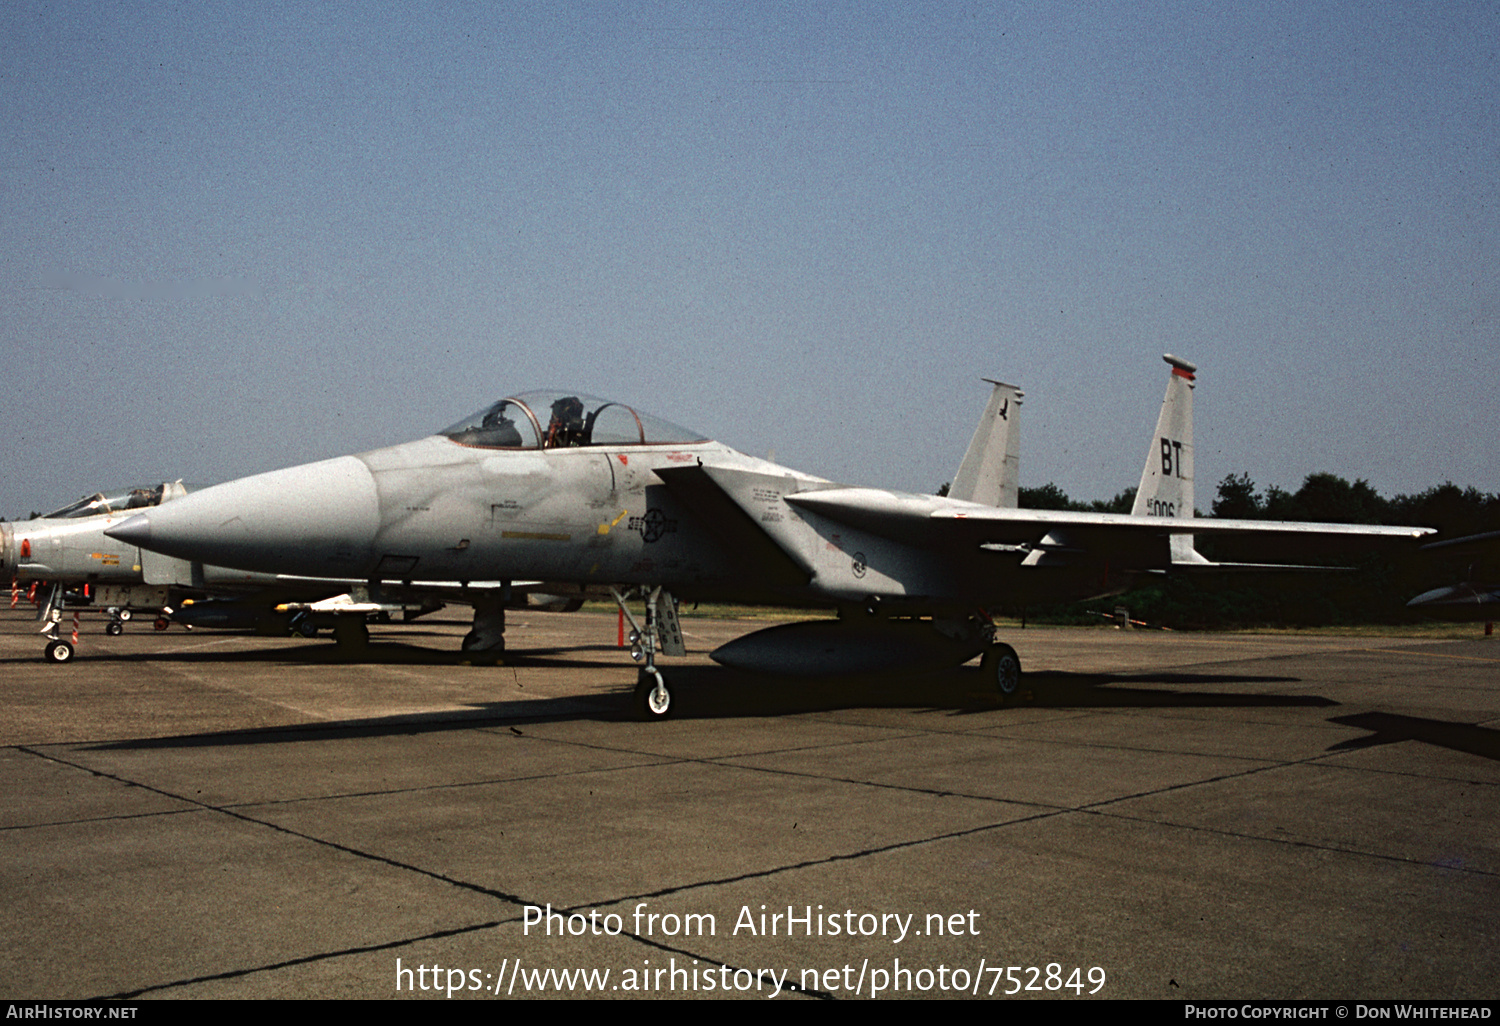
(1002, 669)
(653, 699)
(485, 642)
(351, 635)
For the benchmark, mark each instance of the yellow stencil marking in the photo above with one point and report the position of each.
(604, 528)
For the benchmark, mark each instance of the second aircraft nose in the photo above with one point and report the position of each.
(316, 520)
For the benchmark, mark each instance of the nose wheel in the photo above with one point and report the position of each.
(653, 699)
(58, 650)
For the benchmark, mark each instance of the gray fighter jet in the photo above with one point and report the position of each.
(67, 554)
(578, 493)
(67, 548)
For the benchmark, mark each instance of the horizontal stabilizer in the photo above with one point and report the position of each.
(1209, 566)
(1477, 598)
(1489, 541)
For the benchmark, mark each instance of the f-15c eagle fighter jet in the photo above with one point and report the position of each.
(566, 491)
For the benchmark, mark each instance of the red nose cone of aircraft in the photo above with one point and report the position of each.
(316, 520)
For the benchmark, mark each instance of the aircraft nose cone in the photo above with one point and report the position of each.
(134, 531)
(316, 520)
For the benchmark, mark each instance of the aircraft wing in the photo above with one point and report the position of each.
(725, 500)
(1134, 540)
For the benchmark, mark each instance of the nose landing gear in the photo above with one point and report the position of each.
(653, 698)
(50, 614)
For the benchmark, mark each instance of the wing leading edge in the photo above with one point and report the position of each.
(929, 520)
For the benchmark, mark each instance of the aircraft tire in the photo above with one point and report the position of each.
(1002, 666)
(307, 628)
(492, 656)
(653, 699)
(124, 615)
(161, 623)
(471, 644)
(114, 629)
(58, 652)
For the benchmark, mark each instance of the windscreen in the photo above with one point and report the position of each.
(111, 502)
(564, 420)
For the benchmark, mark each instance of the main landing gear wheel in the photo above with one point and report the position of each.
(1002, 667)
(352, 636)
(473, 655)
(58, 652)
(114, 629)
(653, 699)
(161, 623)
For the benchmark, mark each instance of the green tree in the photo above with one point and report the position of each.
(1048, 496)
(1237, 499)
(1123, 502)
(1454, 511)
(1329, 499)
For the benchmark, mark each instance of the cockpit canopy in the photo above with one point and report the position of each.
(561, 420)
(117, 501)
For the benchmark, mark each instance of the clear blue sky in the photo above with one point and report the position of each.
(240, 236)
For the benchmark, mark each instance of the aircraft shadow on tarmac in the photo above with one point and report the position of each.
(378, 653)
(757, 694)
(1389, 728)
(713, 692)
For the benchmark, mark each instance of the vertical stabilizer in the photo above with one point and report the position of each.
(1167, 482)
(991, 470)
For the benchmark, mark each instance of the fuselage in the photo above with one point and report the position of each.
(68, 550)
(438, 511)
(598, 494)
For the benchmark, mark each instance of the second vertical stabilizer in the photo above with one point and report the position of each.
(1167, 481)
